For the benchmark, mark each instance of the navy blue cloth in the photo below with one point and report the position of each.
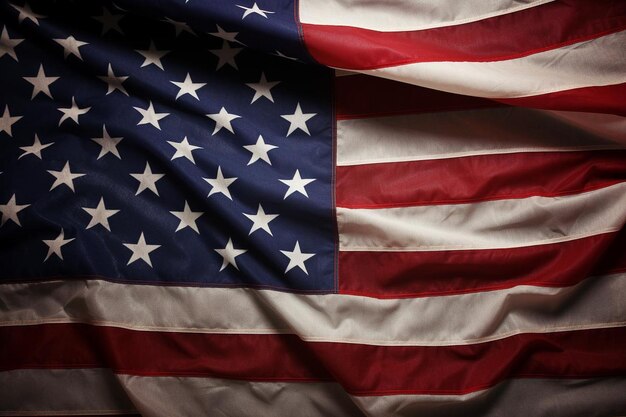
(184, 257)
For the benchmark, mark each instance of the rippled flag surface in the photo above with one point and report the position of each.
(199, 215)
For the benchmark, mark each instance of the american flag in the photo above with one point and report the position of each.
(313, 208)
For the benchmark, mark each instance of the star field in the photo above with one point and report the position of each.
(136, 147)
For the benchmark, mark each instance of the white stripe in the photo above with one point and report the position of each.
(513, 398)
(474, 132)
(483, 225)
(443, 320)
(596, 62)
(100, 392)
(607, 126)
(97, 391)
(404, 15)
(166, 396)
(62, 392)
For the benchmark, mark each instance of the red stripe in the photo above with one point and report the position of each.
(158, 353)
(361, 369)
(477, 178)
(607, 99)
(509, 36)
(411, 274)
(361, 96)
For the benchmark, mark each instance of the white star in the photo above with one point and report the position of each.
(297, 184)
(27, 13)
(35, 148)
(55, 245)
(149, 116)
(259, 151)
(114, 82)
(261, 220)
(107, 143)
(222, 120)
(152, 56)
(99, 215)
(184, 149)
(227, 36)
(187, 218)
(297, 258)
(220, 184)
(226, 55)
(41, 83)
(147, 180)
(7, 45)
(110, 21)
(228, 254)
(70, 46)
(64, 177)
(262, 89)
(7, 121)
(141, 250)
(179, 27)
(298, 120)
(188, 87)
(254, 9)
(72, 112)
(9, 211)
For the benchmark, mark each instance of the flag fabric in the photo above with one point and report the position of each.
(314, 208)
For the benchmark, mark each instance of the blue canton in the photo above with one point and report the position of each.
(137, 148)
